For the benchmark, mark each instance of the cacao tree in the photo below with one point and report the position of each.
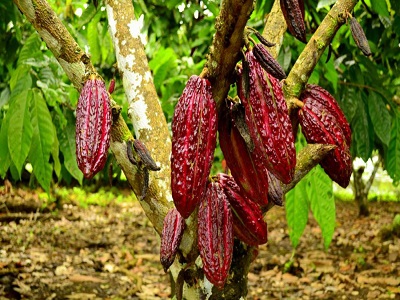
(38, 123)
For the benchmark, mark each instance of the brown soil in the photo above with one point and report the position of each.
(112, 253)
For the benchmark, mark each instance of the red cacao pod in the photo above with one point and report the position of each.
(268, 122)
(171, 236)
(293, 12)
(215, 234)
(93, 126)
(248, 223)
(320, 126)
(253, 183)
(314, 93)
(194, 128)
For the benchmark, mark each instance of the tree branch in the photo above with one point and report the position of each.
(308, 59)
(368, 184)
(71, 57)
(144, 110)
(227, 42)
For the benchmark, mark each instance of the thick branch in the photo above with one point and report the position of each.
(144, 110)
(308, 158)
(72, 59)
(227, 42)
(308, 59)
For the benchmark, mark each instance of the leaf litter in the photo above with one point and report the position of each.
(112, 252)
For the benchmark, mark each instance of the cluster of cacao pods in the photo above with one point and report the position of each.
(258, 144)
(257, 139)
(322, 121)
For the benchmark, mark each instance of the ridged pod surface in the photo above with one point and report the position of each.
(293, 12)
(93, 126)
(268, 62)
(314, 93)
(320, 126)
(194, 128)
(268, 122)
(215, 234)
(248, 223)
(253, 183)
(174, 226)
(359, 37)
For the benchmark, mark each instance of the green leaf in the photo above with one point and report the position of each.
(331, 74)
(30, 49)
(296, 205)
(93, 39)
(380, 7)
(55, 151)
(4, 97)
(21, 79)
(380, 117)
(5, 158)
(348, 102)
(87, 15)
(20, 129)
(68, 148)
(322, 202)
(42, 140)
(360, 126)
(393, 153)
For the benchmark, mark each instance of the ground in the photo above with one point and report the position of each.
(111, 252)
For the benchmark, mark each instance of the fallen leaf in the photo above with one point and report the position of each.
(83, 278)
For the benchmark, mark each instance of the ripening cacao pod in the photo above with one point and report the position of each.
(275, 191)
(268, 62)
(359, 37)
(315, 93)
(319, 125)
(93, 126)
(194, 128)
(253, 183)
(293, 12)
(145, 156)
(268, 121)
(215, 234)
(248, 223)
(171, 236)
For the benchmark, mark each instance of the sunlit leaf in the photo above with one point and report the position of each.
(42, 140)
(20, 129)
(393, 154)
(322, 202)
(297, 208)
(68, 148)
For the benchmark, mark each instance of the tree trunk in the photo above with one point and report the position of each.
(361, 194)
